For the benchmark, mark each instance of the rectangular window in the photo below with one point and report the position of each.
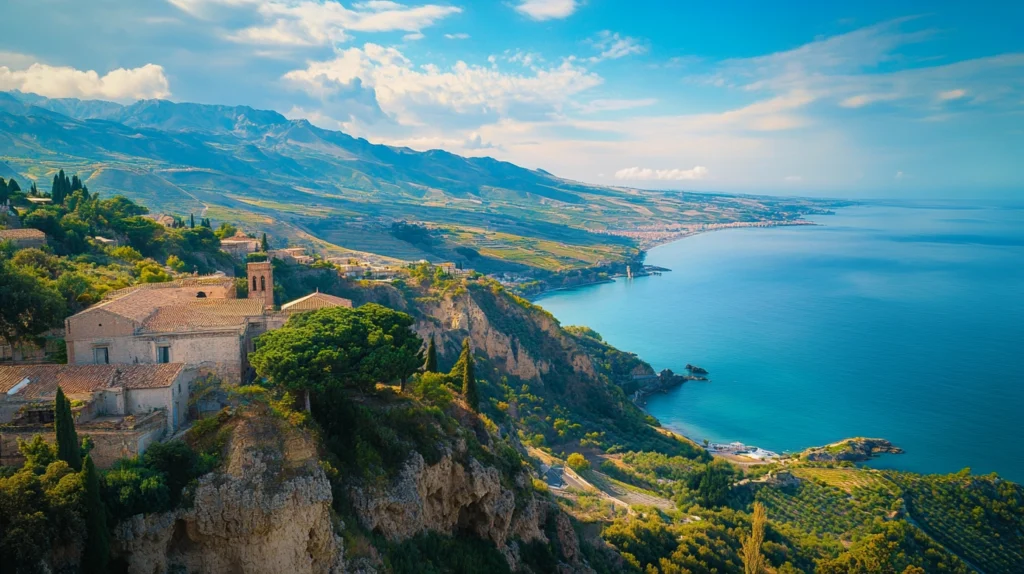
(100, 356)
(163, 354)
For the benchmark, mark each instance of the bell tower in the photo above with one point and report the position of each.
(261, 282)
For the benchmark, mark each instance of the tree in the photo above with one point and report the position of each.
(12, 186)
(30, 306)
(339, 347)
(226, 230)
(431, 365)
(191, 221)
(468, 372)
(68, 448)
(578, 462)
(753, 560)
(713, 485)
(264, 246)
(97, 539)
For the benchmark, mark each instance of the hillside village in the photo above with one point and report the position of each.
(132, 358)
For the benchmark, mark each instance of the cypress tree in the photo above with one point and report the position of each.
(12, 185)
(68, 448)
(97, 538)
(76, 184)
(264, 246)
(469, 376)
(431, 365)
(191, 221)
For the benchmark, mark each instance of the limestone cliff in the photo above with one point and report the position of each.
(266, 511)
(452, 496)
(522, 340)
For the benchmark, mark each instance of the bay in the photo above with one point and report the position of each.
(896, 320)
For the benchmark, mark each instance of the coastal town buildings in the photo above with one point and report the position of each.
(122, 408)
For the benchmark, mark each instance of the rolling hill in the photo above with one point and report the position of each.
(307, 185)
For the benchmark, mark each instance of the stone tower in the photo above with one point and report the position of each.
(261, 282)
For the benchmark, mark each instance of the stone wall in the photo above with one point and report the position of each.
(111, 444)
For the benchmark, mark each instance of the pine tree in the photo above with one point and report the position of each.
(753, 560)
(431, 365)
(469, 376)
(97, 539)
(68, 448)
(191, 221)
(264, 246)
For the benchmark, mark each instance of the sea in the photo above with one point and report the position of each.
(889, 319)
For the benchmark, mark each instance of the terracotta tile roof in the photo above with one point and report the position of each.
(315, 301)
(203, 314)
(21, 234)
(84, 379)
(200, 281)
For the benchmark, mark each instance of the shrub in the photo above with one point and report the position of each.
(578, 462)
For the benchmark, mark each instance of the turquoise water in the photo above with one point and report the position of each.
(900, 321)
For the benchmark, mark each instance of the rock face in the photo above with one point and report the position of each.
(465, 316)
(851, 450)
(268, 511)
(445, 497)
(450, 497)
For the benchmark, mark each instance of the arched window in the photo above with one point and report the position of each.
(200, 295)
(253, 282)
(263, 283)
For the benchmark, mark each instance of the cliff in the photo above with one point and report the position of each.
(266, 511)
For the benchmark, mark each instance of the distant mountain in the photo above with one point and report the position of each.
(297, 181)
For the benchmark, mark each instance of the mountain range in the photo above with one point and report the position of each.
(339, 194)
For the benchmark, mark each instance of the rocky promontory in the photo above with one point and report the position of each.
(857, 449)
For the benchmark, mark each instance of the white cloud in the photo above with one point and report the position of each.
(65, 82)
(613, 46)
(402, 90)
(313, 23)
(952, 95)
(614, 105)
(413, 37)
(547, 9)
(458, 36)
(638, 174)
(899, 175)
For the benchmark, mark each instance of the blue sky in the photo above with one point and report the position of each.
(818, 98)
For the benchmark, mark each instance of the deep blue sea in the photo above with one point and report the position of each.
(903, 321)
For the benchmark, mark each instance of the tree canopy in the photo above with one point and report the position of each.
(339, 347)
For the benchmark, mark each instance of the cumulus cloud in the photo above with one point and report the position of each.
(66, 82)
(613, 46)
(638, 174)
(403, 89)
(313, 23)
(547, 9)
(458, 36)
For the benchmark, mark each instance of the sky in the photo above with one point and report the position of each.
(858, 99)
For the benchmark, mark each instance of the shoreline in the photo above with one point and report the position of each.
(676, 236)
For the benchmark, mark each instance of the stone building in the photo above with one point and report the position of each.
(123, 408)
(23, 238)
(240, 245)
(261, 282)
(195, 321)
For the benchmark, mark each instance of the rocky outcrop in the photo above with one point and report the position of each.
(452, 496)
(268, 511)
(850, 450)
(446, 497)
(462, 315)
